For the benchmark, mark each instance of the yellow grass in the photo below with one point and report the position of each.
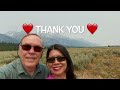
(89, 63)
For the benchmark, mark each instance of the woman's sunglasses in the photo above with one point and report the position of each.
(27, 47)
(59, 59)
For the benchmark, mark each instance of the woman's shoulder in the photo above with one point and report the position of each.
(50, 77)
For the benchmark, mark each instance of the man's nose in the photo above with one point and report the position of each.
(31, 50)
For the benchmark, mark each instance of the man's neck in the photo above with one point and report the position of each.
(30, 70)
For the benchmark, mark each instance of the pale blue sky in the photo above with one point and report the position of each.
(108, 32)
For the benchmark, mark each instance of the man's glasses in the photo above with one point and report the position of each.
(27, 47)
(59, 59)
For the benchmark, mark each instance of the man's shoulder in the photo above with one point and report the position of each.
(7, 70)
(42, 65)
(10, 66)
(43, 68)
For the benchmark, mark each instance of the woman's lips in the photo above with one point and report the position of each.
(57, 68)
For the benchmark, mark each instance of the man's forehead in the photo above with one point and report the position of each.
(31, 37)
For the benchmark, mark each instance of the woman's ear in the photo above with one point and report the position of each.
(47, 65)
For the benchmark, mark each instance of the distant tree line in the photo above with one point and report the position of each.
(8, 46)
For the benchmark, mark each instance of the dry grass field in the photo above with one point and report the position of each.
(89, 63)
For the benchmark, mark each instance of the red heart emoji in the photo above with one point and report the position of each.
(27, 27)
(92, 27)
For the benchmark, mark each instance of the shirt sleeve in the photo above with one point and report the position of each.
(2, 74)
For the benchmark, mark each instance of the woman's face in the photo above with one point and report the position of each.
(57, 63)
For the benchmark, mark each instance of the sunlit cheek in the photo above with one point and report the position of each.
(49, 66)
(64, 63)
(23, 53)
(64, 69)
(40, 55)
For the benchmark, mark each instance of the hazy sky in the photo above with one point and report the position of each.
(107, 33)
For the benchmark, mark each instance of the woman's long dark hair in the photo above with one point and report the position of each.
(70, 70)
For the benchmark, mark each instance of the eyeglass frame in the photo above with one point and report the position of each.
(59, 59)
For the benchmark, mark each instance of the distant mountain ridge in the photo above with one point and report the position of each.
(48, 38)
(8, 39)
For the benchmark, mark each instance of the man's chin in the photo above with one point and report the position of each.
(30, 60)
(30, 65)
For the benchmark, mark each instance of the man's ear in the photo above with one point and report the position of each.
(18, 51)
(42, 53)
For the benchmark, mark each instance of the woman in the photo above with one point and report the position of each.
(59, 63)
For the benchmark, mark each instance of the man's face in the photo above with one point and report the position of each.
(30, 57)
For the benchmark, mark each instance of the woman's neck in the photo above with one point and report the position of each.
(62, 76)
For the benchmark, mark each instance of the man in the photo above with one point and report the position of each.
(27, 66)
